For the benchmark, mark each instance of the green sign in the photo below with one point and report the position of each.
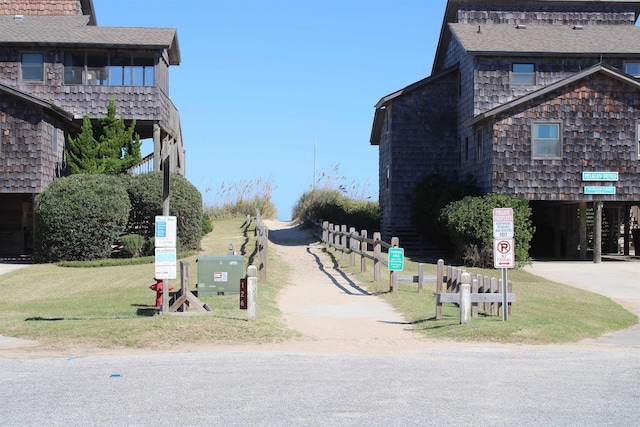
(599, 176)
(599, 190)
(396, 259)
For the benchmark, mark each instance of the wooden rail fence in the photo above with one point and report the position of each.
(486, 292)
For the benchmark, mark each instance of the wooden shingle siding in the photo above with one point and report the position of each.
(599, 119)
(421, 133)
(546, 14)
(27, 159)
(41, 7)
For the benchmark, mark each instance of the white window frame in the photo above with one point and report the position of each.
(535, 141)
(518, 78)
(22, 67)
(626, 68)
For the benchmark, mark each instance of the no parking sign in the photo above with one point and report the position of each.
(503, 253)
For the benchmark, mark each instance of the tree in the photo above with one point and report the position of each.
(116, 148)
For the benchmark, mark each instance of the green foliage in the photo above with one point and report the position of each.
(431, 194)
(207, 225)
(145, 193)
(79, 217)
(470, 224)
(132, 245)
(115, 150)
(332, 206)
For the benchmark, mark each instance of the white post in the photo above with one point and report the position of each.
(252, 292)
(465, 298)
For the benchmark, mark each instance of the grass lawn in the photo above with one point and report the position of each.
(112, 306)
(545, 312)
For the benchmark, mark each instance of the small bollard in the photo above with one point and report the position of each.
(252, 292)
(465, 298)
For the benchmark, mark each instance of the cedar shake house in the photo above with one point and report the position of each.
(534, 98)
(56, 66)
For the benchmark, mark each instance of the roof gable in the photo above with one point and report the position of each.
(599, 68)
(37, 101)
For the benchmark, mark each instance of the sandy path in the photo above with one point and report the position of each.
(333, 312)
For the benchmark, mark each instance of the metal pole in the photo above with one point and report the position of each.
(505, 299)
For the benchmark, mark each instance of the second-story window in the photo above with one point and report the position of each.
(632, 68)
(546, 140)
(32, 67)
(523, 74)
(109, 68)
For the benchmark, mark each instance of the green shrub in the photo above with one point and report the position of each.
(470, 224)
(132, 245)
(330, 205)
(145, 193)
(207, 226)
(79, 217)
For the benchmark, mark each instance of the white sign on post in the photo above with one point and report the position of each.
(165, 243)
(502, 223)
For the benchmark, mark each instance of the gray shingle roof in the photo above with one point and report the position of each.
(73, 31)
(548, 39)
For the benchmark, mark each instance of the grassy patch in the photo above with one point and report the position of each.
(112, 306)
(545, 312)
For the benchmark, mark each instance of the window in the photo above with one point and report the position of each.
(632, 68)
(479, 144)
(109, 68)
(523, 74)
(32, 67)
(546, 140)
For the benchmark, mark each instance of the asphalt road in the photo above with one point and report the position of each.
(485, 385)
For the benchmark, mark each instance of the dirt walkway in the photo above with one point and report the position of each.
(332, 311)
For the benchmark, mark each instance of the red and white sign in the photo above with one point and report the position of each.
(503, 253)
(502, 223)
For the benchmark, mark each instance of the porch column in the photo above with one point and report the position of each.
(156, 147)
(597, 232)
(627, 229)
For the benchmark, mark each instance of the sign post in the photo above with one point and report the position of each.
(503, 250)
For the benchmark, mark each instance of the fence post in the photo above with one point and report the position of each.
(420, 277)
(376, 255)
(465, 298)
(352, 246)
(494, 289)
(264, 247)
(343, 240)
(363, 248)
(325, 232)
(252, 292)
(439, 286)
(474, 305)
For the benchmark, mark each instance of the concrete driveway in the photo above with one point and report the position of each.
(615, 277)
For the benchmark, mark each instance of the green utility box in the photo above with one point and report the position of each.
(219, 274)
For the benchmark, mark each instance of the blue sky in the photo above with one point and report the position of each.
(262, 82)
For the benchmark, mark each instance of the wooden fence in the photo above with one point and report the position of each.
(484, 290)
